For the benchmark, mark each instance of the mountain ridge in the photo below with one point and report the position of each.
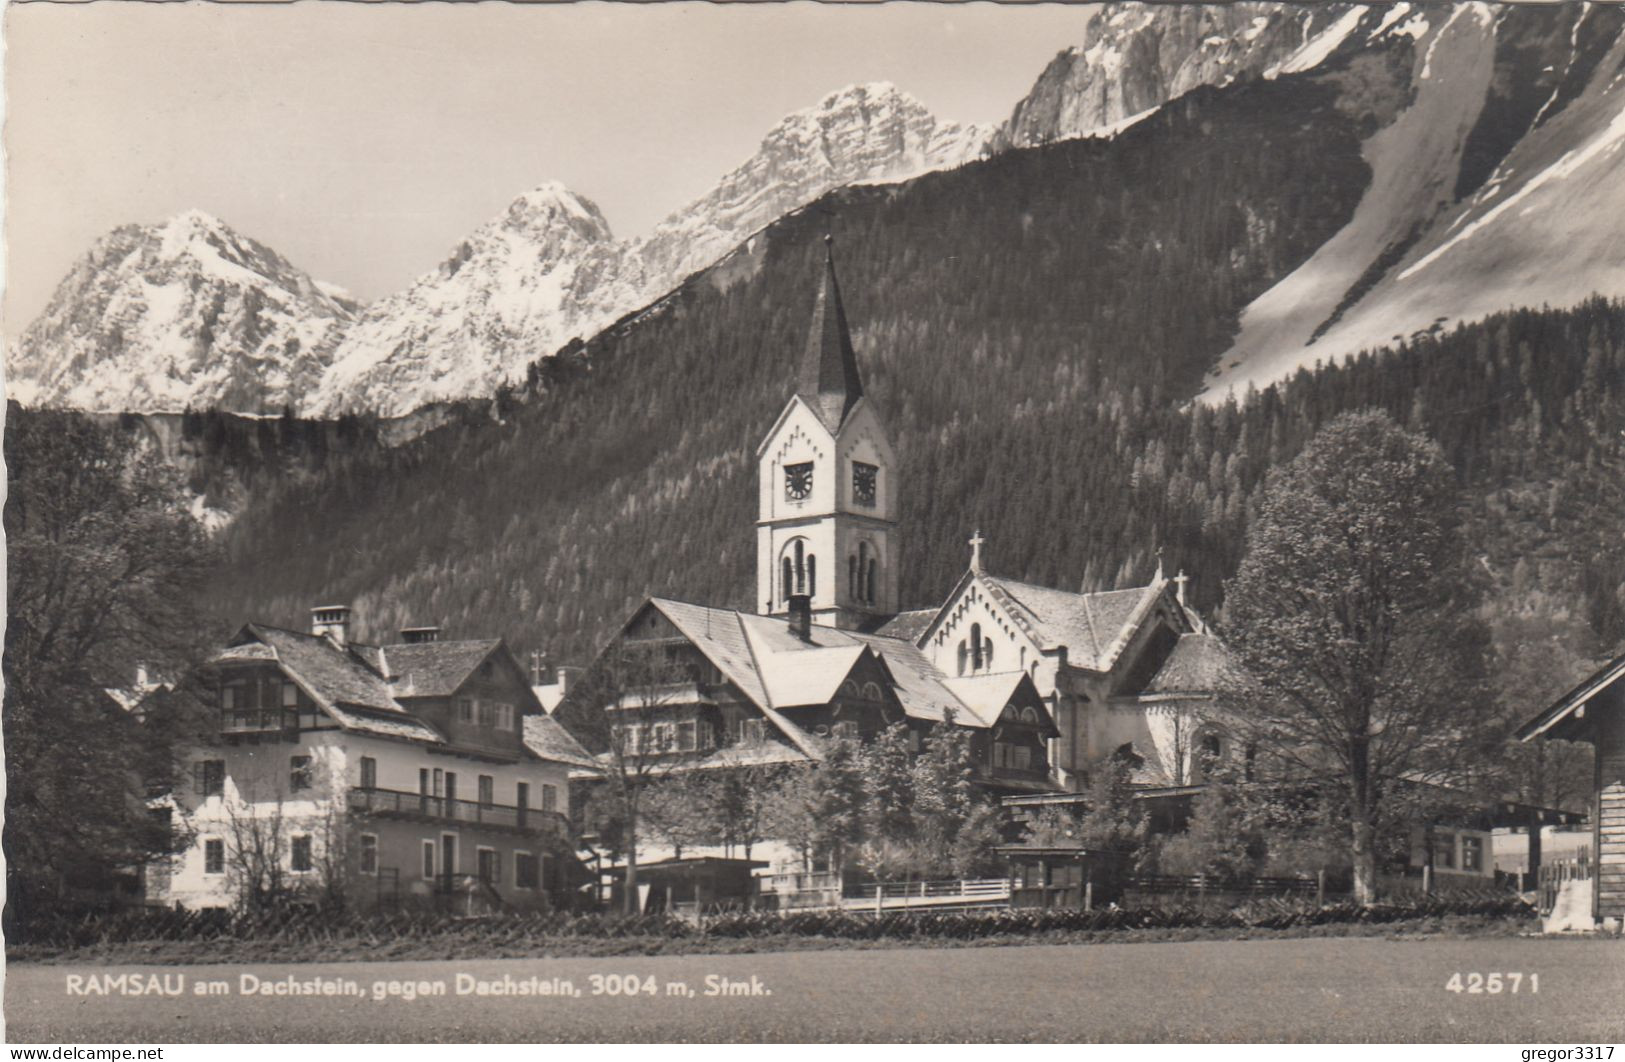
(452, 335)
(1499, 132)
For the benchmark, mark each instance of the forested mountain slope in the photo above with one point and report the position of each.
(1015, 318)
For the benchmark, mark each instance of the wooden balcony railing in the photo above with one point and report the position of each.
(446, 809)
(257, 720)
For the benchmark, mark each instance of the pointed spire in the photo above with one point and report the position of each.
(829, 368)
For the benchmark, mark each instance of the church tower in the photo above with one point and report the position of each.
(827, 494)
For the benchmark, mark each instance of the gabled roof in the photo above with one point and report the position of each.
(917, 682)
(434, 669)
(548, 740)
(829, 380)
(352, 684)
(340, 680)
(1567, 713)
(775, 669)
(988, 697)
(1093, 628)
(331, 675)
(716, 633)
(1197, 664)
(720, 636)
(905, 626)
(807, 676)
(985, 695)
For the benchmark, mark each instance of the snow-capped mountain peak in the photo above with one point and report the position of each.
(549, 269)
(187, 312)
(515, 290)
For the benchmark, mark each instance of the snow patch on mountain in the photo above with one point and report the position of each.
(1546, 227)
(549, 270)
(1139, 56)
(187, 313)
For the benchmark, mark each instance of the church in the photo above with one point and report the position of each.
(1049, 681)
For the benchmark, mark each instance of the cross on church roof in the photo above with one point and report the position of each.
(976, 543)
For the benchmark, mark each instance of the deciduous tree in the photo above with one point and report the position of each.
(1353, 616)
(104, 567)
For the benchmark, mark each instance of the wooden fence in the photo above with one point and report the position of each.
(1553, 875)
(955, 894)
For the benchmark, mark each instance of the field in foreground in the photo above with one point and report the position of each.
(1301, 990)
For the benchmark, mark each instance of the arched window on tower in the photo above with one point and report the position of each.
(861, 592)
(976, 647)
(872, 579)
(852, 577)
(798, 569)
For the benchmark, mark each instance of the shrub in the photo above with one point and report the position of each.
(496, 932)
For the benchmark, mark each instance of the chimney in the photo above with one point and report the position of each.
(332, 621)
(420, 635)
(801, 616)
(567, 678)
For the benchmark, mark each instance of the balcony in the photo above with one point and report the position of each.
(422, 808)
(257, 720)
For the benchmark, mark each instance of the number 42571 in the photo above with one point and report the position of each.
(1477, 984)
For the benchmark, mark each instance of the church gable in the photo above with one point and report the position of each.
(796, 475)
(865, 485)
(976, 633)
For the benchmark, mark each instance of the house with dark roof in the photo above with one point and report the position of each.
(1594, 712)
(1048, 680)
(422, 772)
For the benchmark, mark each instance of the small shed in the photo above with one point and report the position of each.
(1062, 875)
(697, 885)
(1594, 711)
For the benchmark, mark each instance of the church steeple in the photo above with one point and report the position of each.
(826, 526)
(829, 380)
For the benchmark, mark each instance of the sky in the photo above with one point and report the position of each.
(363, 141)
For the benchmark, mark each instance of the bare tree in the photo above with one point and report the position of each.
(256, 852)
(628, 711)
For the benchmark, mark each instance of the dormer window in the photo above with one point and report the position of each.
(864, 478)
(798, 481)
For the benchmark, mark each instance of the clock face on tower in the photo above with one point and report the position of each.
(863, 483)
(798, 481)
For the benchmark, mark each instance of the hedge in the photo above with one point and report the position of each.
(313, 927)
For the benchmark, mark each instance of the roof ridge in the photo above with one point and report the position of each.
(996, 583)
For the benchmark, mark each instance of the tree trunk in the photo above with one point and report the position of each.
(1365, 864)
(630, 900)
